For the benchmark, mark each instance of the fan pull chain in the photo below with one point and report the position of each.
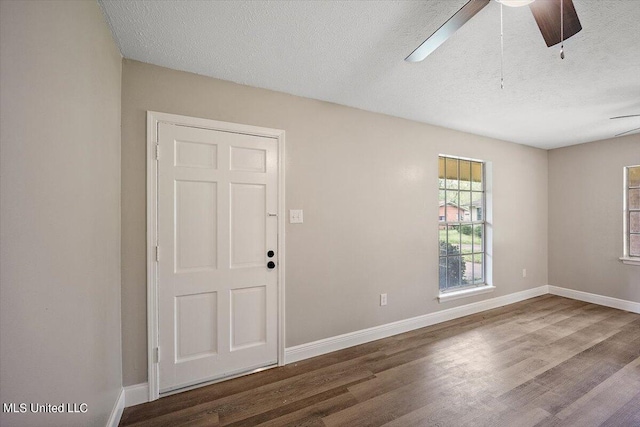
(501, 50)
(561, 29)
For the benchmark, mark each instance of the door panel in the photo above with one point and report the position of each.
(196, 326)
(196, 155)
(248, 317)
(196, 225)
(248, 225)
(217, 298)
(248, 159)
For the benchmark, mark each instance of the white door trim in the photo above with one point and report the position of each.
(153, 118)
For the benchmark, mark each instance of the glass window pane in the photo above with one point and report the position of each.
(476, 206)
(452, 210)
(634, 222)
(466, 268)
(478, 268)
(443, 274)
(478, 235)
(465, 175)
(477, 214)
(634, 198)
(453, 240)
(441, 168)
(453, 272)
(443, 240)
(476, 176)
(634, 244)
(465, 238)
(452, 173)
(465, 205)
(461, 266)
(441, 204)
(451, 213)
(634, 176)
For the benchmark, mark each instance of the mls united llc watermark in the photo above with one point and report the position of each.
(45, 408)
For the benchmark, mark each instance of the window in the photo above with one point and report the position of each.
(632, 214)
(461, 224)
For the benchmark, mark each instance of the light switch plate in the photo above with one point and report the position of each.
(295, 216)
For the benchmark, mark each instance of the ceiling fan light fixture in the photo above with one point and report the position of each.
(515, 3)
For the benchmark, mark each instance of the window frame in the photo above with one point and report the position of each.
(627, 258)
(483, 285)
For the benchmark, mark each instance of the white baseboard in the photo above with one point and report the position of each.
(129, 396)
(620, 304)
(136, 394)
(116, 412)
(327, 345)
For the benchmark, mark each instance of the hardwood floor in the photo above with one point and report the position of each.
(547, 361)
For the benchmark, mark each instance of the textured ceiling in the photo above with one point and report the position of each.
(351, 53)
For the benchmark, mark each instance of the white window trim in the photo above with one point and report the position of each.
(626, 258)
(464, 293)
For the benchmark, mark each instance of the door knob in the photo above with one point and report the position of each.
(270, 254)
(271, 265)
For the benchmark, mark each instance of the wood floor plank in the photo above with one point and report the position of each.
(548, 361)
(549, 356)
(603, 401)
(628, 415)
(527, 416)
(192, 416)
(446, 342)
(622, 384)
(262, 399)
(313, 414)
(449, 334)
(385, 407)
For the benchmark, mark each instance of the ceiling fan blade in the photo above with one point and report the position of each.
(547, 15)
(447, 29)
(624, 117)
(629, 131)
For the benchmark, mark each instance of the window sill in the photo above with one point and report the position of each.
(630, 261)
(450, 296)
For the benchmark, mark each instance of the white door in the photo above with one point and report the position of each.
(217, 268)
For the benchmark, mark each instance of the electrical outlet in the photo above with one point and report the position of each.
(383, 299)
(524, 272)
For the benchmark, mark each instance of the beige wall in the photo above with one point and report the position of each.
(60, 84)
(584, 246)
(368, 186)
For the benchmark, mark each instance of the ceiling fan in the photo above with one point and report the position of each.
(557, 20)
(624, 117)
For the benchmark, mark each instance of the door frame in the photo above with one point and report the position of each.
(153, 119)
